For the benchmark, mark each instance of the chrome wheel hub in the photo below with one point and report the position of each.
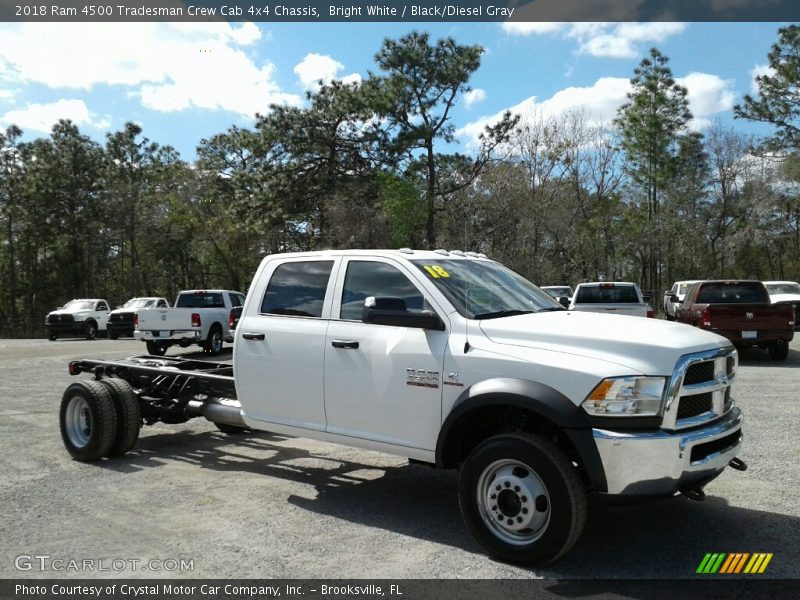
(513, 502)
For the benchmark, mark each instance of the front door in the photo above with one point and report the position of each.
(382, 383)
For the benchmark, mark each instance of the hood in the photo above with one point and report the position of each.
(649, 346)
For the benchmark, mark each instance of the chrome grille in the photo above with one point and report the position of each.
(691, 406)
(699, 389)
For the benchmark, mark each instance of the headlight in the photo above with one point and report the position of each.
(79, 317)
(637, 396)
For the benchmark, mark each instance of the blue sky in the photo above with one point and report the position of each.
(184, 82)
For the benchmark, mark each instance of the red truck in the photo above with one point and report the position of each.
(741, 311)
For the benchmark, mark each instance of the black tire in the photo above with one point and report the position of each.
(129, 416)
(52, 337)
(113, 335)
(529, 466)
(231, 429)
(90, 330)
(88, 420)
(779, 352)
(213, 345)
(156, 349)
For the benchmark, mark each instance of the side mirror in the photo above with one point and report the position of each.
(563, 301)
(647, 298)
(393, 311)
(674, 299)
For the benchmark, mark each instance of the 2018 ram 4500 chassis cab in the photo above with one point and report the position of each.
(455, 361)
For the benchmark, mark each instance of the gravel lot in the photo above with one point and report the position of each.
(262, 505)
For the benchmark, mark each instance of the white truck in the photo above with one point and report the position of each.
(86, 317)
(120, 320)
(454, 361)
(674, 296)
(611, 297)
(198, 317)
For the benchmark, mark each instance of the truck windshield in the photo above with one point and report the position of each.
(78, 305)
(783, 288)
(138, 303)
(485, 290)
(200, 300)
(607, 294)
(733, 292)
(555, 292)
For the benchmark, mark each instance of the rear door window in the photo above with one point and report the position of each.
(297, 289)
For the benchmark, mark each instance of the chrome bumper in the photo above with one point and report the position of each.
(662, 462)
(147, 336)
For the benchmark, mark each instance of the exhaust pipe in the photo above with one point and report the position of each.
(225, 411)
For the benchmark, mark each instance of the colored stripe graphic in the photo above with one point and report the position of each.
(724, 563)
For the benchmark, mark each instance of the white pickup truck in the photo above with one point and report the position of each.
(455, 361)
(85, 317)
(611, 297)
(199, 317)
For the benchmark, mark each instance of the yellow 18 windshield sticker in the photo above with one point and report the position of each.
(436, 271)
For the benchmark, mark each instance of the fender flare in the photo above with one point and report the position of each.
(538, 398)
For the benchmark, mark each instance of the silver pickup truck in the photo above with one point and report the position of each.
(199, 317)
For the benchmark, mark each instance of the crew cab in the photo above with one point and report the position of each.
(611, 297)
(86, 317)
(678, 291)
(454, 361)
(741, 311)
(120, 320)
(786, 292)
(199, 317)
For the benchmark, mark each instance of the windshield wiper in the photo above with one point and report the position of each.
(550, 309)
(502, 313)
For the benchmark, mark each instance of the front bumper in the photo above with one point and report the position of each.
(75, 328)
(661, 462)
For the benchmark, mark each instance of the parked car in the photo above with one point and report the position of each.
(85, 317)
(678, 290)
(742, 312)
(198, 317)
(120, 321)
(454, 361)
(611, 297)
(559, 291)
(786, 292)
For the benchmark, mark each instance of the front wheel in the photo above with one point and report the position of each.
(522, 499)
(52, 337)
(156, 349)
(91, 330)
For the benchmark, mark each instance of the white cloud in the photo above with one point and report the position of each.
(321, 67)
(604, 40)
(757, 71)
(6, 95)
(42, 117)
(708, 95)
(173, 66)
(474, 96)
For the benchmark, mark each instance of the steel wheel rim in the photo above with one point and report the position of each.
(513, 502)
(216, 341)
(78, 421)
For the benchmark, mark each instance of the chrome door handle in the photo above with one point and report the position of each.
(253, 336)
(352, 344)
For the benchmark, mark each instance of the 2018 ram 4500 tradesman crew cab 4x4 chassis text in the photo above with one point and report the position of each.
(455, 361)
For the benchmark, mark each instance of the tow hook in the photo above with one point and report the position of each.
(694, 494)
(738, 464)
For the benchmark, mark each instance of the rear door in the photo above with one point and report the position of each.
(279, 351)
(382, 382)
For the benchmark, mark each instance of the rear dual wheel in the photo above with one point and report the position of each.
(779, 352)
(99, 418)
